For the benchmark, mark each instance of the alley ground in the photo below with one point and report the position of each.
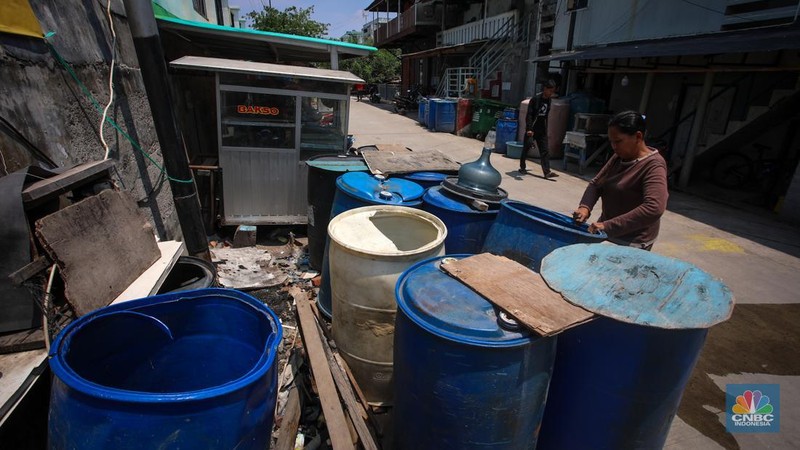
(757, 256)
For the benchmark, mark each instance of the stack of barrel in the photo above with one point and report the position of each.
(460, 373)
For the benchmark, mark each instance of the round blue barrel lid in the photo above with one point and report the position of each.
(440, 198)
(447, 308)
(334, 163)
(637, 286)
(430, 177)
(367, 187)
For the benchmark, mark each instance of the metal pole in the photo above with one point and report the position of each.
(334, 58)
(694, 138)
(156, 82)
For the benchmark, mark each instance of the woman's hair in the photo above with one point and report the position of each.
(628, 122)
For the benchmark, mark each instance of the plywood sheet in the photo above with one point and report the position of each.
(151, 279)
(66, 180)
(388, 162)
(101, 245)
(519, 291)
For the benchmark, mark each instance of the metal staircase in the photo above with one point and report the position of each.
(454, 81)
(508, 40)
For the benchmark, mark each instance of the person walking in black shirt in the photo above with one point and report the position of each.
(536, 129)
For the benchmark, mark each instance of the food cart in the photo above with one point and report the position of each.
(270, 119)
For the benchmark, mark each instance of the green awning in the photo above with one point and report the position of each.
(265, 46)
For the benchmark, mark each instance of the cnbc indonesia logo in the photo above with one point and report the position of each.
(753, 410)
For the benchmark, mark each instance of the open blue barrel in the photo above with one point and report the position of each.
(322, 174)
(463, 380)
(506, 130)
(357, 189)
(618, 379)
(426, 179)
(446, 115)
(433, 105)
(467, 227)
(421, 113)
(193, 369)
(527, 233)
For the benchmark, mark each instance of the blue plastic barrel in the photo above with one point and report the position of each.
(618, 379)
(510, 113)
(467, 227)
(506, 130)
(426, 179)
(357, 189)
(421, 113)
(446, 116)
(194, 369)
(433, 105)
(322, 173)
(527, 233)
(463, 381)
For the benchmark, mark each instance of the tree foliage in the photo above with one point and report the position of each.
(290, 21)
(381, 66)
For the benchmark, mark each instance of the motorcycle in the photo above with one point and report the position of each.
(409, 101)
(374, 95)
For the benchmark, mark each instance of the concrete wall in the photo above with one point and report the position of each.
(48, 107)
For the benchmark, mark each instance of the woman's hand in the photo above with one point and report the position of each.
(596, 227)
(581, 214)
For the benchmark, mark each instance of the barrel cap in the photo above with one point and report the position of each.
(366, 187)
(449, 309)
(637, 286)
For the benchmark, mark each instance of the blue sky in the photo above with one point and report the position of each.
(342, 15)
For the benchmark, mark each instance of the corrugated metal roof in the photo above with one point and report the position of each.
(232, 65)
(745, 41)
(259, 45)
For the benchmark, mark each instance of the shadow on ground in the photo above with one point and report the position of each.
(768, 334)
(759, 226)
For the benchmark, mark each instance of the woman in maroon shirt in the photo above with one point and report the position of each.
(632, 184)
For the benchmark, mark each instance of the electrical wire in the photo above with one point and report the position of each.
(717, 11)
(110, 80)
(46, 306)
(97, 106)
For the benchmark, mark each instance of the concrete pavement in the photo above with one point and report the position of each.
(754, 254)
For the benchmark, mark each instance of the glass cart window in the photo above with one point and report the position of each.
(257, 120)
(323, 124)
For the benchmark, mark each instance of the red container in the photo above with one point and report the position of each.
(463, 116)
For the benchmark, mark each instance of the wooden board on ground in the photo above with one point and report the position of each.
(151, 279)
(22, 341)
(518, 290)
(328, 395)
(101, 245)
(66, 181)
(19, 372)
(406, 162)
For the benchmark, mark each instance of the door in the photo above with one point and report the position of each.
(259, 157)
